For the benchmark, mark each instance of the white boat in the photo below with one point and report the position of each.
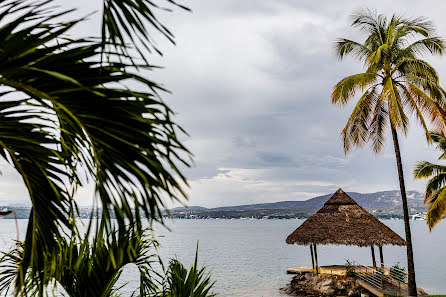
(418, 217)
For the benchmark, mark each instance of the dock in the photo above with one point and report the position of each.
(331, 269)
(378, 281)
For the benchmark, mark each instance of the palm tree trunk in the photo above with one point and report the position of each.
(410, 263)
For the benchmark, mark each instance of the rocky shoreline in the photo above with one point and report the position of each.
(309, 284)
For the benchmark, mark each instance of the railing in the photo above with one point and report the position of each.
(371, 275)
(398, 278)
(390, 280)
(398, 274)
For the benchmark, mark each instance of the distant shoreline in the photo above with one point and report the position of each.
(384, 205)
(394, 213)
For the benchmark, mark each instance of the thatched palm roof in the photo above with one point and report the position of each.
(342, 221)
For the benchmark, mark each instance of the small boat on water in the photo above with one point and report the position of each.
(418, 217)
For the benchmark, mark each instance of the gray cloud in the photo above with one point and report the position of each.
(276, 125)
(251, 83)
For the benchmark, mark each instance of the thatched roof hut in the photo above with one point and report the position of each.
(342, 221)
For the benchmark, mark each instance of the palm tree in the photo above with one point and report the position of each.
(435, 193)
(74, 110)
(396, 84)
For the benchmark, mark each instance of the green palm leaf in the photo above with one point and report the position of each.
(88, 267)
(65, 111)
(435, 193)
(181, 282)
(127, 21)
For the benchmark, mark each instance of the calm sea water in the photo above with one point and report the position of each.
(250, 257)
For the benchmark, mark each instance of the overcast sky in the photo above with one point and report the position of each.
(251, 83)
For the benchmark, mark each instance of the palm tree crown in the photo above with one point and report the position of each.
(396, 82)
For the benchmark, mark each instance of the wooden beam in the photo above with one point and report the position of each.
(373, 256)
(381, 256)
(312, 256)
(315, 257)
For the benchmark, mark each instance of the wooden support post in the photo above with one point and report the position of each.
(381, 257)
(373, 256)
(315, 257)
(312, 256)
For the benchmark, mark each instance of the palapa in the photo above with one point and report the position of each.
(341, 221)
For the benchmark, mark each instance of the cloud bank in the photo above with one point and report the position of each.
(251, 84)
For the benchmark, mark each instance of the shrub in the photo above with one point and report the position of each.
(349, 268)
(398, 272)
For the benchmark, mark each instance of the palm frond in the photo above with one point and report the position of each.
(413, 107)
(127, 22)
(184, 283)
(397, 115)
(437, 209)
(437, 182)
(432, 45)
(347, 88)
(426, 169)
(29, 147)
(344, 47)
(356, 130)
(415, 68)
(418, 26)
(439, 139)
(428, 105)
(371, 22)
(377, 128)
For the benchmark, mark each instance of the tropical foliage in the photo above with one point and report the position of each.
(93, 267)
(75, 111)
(395, 85)
(183, 283)
(125, 22)
(398, 272)
(435, 193)
(349, 268)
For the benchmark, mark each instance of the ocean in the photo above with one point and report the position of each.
(250, 257)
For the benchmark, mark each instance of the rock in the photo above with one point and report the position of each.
(287, 290)
(309, 284)
(326, 282)
(422, 292)
(326, 290)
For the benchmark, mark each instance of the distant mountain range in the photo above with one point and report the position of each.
(189, 208)
(386, 204)
(385, 199)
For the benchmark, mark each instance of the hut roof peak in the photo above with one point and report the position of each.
(340, 198)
